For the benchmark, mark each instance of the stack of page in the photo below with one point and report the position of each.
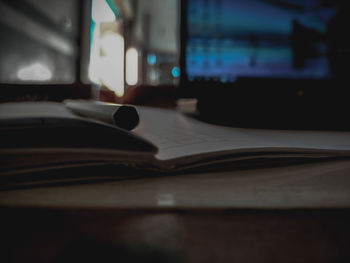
(47, 136)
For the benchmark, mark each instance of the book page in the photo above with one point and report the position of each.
(33, 110)
(41, 125)
(179, 136)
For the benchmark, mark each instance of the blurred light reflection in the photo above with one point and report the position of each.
(101, 12)
(131, 70)
(35, 72)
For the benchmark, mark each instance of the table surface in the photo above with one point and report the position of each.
(313, 185)
(296, 213)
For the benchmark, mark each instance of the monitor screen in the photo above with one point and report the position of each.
(229, 39)
(44, 42)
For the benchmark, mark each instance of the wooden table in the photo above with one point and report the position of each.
(296, 213)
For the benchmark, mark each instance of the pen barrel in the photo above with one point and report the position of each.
(122, 116)
(126, 117)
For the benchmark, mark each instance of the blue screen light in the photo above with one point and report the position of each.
(229, 39)
(151, 59)
(175, 72)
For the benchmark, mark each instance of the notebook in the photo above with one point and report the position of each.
(41, 137)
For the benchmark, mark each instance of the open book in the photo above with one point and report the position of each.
(43, 136)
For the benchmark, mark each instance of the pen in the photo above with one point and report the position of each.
(122, 116)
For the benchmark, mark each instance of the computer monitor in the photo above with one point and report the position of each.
(44, 49)
(254, 59)
(225, 40)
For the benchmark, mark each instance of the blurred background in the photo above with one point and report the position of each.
(143, 34)
(106, 49)
(112, 44)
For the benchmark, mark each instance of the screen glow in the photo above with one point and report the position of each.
(228, 39)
